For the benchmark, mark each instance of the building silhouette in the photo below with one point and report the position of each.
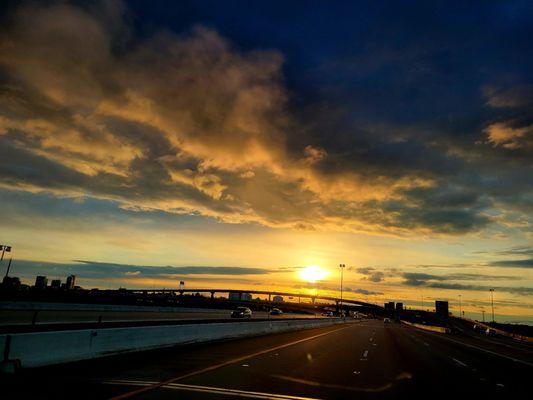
(55, 284)
(240, 296)
(71, 281)
(442, 309)
(41, 282)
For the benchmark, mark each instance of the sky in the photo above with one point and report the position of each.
(233, 144)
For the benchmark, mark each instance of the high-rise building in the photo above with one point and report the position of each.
(41, 282)
(399, 307)
(10, 282)
(441, 309)
(71, 280)
(389, 306)
(55, 284)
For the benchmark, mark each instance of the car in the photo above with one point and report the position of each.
(276, 311)
(386, 320)
(241, 312)
(490, 332)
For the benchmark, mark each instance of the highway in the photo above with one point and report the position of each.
(359, 360)
(44, 317)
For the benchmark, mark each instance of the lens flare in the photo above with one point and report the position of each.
(313, 273)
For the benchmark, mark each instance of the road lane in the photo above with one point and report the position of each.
(347, 362)
(496, 369)
(85, 378)
(362, 360)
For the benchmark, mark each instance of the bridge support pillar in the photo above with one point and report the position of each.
(269, 296)
(212, 295)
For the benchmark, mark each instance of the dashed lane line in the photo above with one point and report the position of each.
(459, 362)
(223, 364)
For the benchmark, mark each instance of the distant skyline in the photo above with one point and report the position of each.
(235, 143)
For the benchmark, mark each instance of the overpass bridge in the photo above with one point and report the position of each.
(268, 293)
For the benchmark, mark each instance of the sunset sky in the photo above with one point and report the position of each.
(233, 143)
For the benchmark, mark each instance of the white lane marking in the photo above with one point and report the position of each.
(371, 338)
(426, 344)
(357, 372)
(500, 384)
(210, 389)
(365, 356)
(459, 362)
(224, 364)
(246, 365)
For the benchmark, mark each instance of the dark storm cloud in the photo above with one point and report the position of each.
(415, 278)
(442, 282)
(98, 270)
(398, 132)
(364, 292)
(168, 270)
(371, 274)
(527, 263)
(525, 291)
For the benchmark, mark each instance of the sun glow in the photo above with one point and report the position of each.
(313, 273)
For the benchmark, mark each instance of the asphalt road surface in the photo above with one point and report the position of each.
(368, 359)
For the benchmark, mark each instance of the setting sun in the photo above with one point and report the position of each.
(313, 273)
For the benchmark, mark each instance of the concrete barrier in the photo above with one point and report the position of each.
(429, 328)
(47, 348)
(515, 336)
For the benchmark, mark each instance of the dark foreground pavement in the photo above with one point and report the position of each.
(362, 360)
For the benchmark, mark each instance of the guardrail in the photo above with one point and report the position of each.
(429, 328)
(47, 348)
(502, 332)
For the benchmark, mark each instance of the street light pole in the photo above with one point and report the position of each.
(492, 302)
(342, 266)
(460, 307)
(5, 248)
